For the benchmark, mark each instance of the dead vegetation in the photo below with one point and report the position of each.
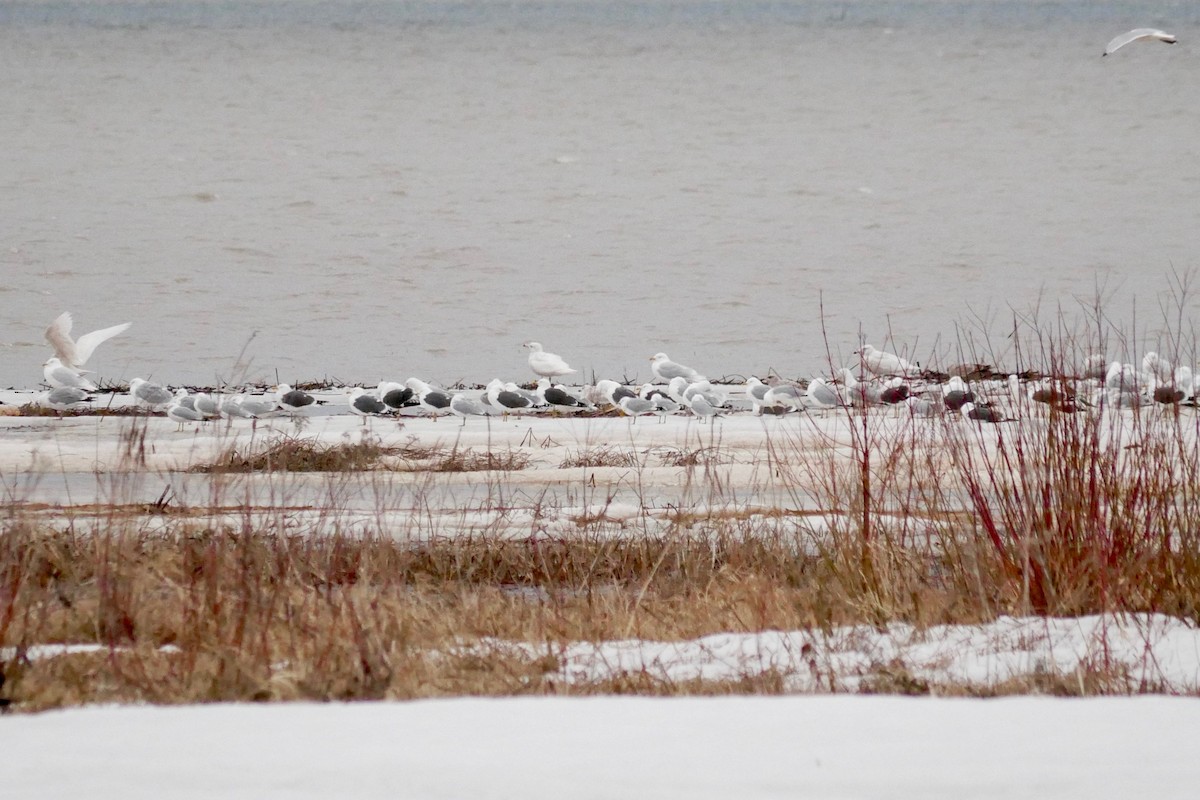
(299, 455)
(293, 454)
(601, 456)
(928, 523)
(198, 614)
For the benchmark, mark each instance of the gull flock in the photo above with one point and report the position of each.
(882, 380)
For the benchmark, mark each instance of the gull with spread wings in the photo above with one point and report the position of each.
(73, 354)
(1139, 35)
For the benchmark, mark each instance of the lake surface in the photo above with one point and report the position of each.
(367, 190)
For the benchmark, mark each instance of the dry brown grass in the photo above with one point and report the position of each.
(293, 454)
(457, 460)
(930, 523)
(601, 456)
(290, 454)
(35, 410)
(203, 615)
(699, 457)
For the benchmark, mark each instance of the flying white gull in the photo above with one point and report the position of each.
(75, 353)
(546, 365)
(1139, 35)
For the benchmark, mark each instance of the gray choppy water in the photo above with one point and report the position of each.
(388, 189)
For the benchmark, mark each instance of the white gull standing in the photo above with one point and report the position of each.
(981, 413)
(183, 414)
(231, 408)
(150, 395)
(956, 393)
(860, 394)
(665, 369)
(784, 395)
(702, 408)
(636, 406)
(664, 405)
(365, 405)
(612, 392)
(206, 404)
(505, 397)
(66, 398)
(556, 395)
(292, 400)
(878, 362)
(394, 395)
(820, 394)
(60, 376)
(257, 406)
(463, 406)
(756, 390)
(1157, 367)
(546, 365)
(435, 401)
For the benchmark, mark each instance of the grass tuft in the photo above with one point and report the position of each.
(601, 456)
(299, 455)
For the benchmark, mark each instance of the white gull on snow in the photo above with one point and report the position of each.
(546, 365)
(878, 362)
(665, 369)
(463, 406)
(65, 398)
(60, 376)
(150, 395)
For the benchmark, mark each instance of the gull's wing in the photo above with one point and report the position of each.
(59, 337)
(90, 341)
(1135, 34)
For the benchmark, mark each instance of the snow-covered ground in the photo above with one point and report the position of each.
(614, 747)
(604, 747)
(87, 463)
(1139, 652)
(740, 465)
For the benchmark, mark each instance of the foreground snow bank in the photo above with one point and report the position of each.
(1141, 652)
(842, 747)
